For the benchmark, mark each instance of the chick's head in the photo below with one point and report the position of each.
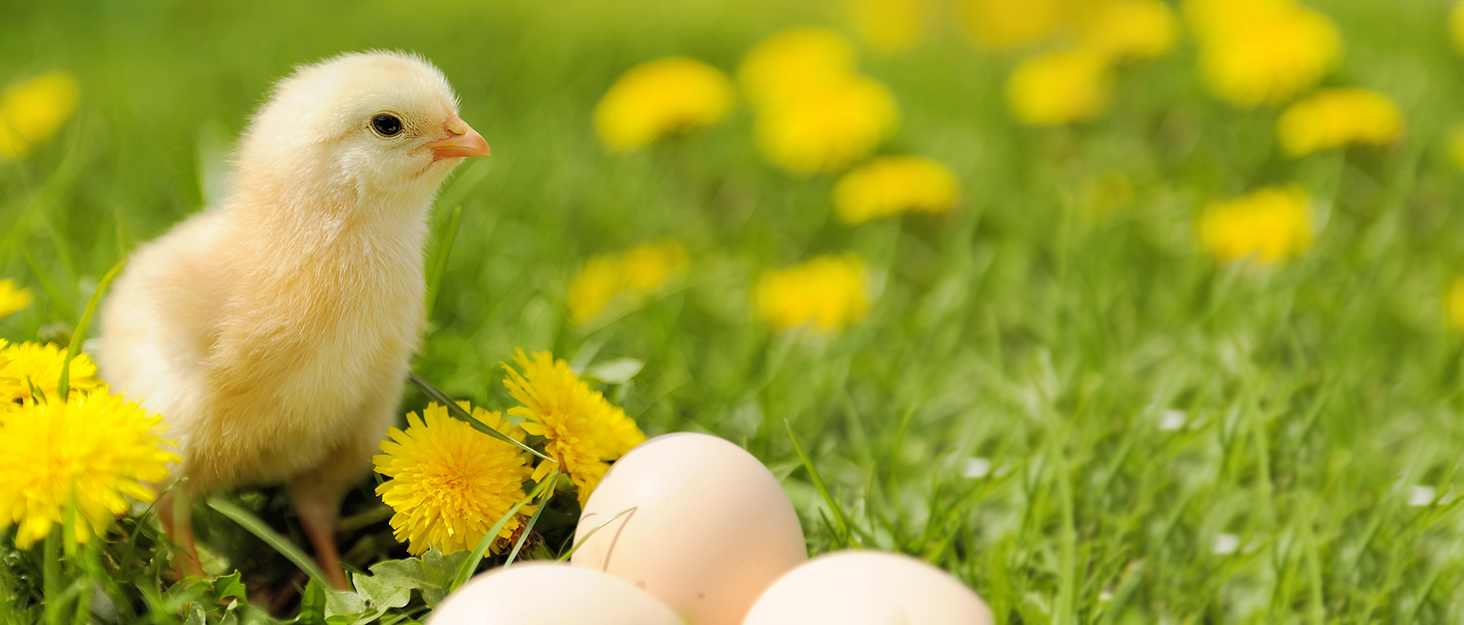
(382, 124)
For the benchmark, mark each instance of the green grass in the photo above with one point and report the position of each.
(1022, 330)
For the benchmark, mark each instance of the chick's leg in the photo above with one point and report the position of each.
(317, 500)
(175, 510)
(317, 497)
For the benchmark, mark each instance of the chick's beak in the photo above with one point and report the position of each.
(461, 140)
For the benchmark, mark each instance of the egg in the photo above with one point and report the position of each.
(546, 593)
(868, 588)
(709, 527)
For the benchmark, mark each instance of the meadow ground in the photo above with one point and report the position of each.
(1057, 395)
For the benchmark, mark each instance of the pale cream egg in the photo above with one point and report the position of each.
(703, 526)
(547, 593)
(868, 588)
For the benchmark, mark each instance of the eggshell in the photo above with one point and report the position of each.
(711, 527)
(535, 593)
(868, 588)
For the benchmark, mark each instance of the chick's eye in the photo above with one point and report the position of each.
(386, 125)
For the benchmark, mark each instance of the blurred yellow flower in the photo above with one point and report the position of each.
(1255, 52)
(1454, 304)
(1269, 225)
(892, 185)
(827, 292)
(826, 130)
(787, 64)
(582, 431)
(1060, 87)
(1128, 29)
(96, 450)
(1456, 25)
(448, 483)
(27, 365)
(597, 282)
(662, 96)
(638, 271)
(32, 111)
(889, 25)
(1336, 117)
(13, 300)
(1456, 145)
(1005, 24)
(647, 267)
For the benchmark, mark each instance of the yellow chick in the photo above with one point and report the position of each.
(274, 333)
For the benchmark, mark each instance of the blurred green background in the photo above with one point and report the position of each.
(1042, 329)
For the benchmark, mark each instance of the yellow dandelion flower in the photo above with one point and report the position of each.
(1255, 52)
(1128, 29)
(827, 129)
(1456, 145)
(660, 97)
(1217, 19)
(827, 292)
(1004, 24)
(1333, 118)
(1269, 225)
(13, 300)
(889, 25)
(449, 484)
(794, 61)
(582, 431)
(1060, 87)
(30, 364)
(638, 271)
(597, 282)
(646, 267)
(32, 111)
(96, 451)
(1456, 25)
(1454, 304)
(892, 185)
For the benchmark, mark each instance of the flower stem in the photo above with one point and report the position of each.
(51, 580)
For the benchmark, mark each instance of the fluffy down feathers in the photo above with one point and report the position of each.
(273, 333)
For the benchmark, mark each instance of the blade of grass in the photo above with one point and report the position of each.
(845, 537)
(1067, 599)
(82, 614)
(458, 413)
(471, 564)
(63, 387)
(59, 300)
(552, 478)
(137, 522)
(444, 250)
(264, 532)
(465, 183)
(597, 528)
(36, 393)
(51, 576)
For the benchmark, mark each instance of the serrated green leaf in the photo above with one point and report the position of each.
(312, 604)
(409, 572)
(229, 586)
(196, 615)
(384, 591)
(438, 571)
(343, 603)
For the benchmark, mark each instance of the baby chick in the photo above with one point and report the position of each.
(273, 333)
